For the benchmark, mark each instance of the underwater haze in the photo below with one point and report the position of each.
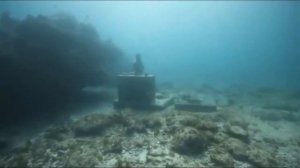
(150, 84)
(252, 43)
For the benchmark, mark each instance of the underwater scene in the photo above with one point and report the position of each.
(150, 84)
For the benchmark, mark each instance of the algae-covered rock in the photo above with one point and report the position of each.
(251, 154)
(260, 158)
(120, 118)
(152, 123)
(112, 144)
(189, 141)
(122, 163)
(190, 122)
(78, 159)
(238, 132)
(222, 159)
(237, 149)
(169, 121)
(220, 137)
(97, 124)
(207, 125)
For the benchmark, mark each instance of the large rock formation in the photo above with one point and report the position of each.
(45, 61)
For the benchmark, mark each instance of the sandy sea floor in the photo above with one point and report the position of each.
(250, 129)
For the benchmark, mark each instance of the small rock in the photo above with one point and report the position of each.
(222, 159)
(238, 132)
(156, 152)
(112, 144)
(122, 164)
(143, 156)
(237, 149)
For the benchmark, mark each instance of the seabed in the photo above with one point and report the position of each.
(249, 129)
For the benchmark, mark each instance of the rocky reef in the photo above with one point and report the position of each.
(234, 136)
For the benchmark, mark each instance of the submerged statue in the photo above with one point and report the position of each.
(138, 66)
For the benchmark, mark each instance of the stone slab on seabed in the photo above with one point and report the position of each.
(208, 104)
(159, 103)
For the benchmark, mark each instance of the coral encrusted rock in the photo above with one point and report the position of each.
(189, 141)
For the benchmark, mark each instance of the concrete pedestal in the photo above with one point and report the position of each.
(138, 92)
(135, 91)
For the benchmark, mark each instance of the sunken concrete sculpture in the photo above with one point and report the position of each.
(137, 90)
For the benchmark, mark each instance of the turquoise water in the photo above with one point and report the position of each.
(254, 44)
(223, 90)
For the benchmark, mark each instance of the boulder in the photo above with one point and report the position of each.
(189, 141)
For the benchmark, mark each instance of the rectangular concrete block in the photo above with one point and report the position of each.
(196, 107)
(135, 91)
(199, 103)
